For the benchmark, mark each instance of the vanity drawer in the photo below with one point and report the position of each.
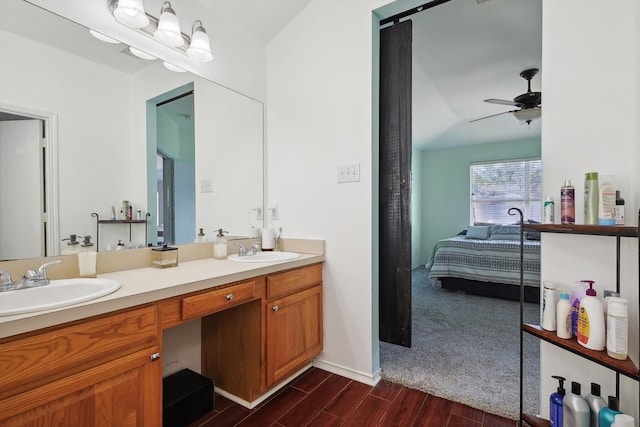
(293, 280)
(28, 362)
(206, 303)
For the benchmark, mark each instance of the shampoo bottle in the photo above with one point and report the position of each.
(220, 245)
(606, 201)
(563, 317)
(555, 403)
(591, 330)
(549, 304)
(595, 402)
(607, 415)
(575, 410)
(548, 210)
(567, 203)
(591, 198)
(619, 209)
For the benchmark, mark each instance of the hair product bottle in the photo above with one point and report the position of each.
(563, 317)
(575, 410)
(606, 201)
(567, 203)
(555, 403)
(608, 414)
(591, 198)
(547, 210)
(595, 402)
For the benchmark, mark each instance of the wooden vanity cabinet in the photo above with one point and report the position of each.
(99, 372)
(293, 315)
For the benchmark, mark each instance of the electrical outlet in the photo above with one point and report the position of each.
(206, 186)
(258, 213)
(273, 212)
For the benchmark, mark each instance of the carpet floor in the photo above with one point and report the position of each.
(465, 348)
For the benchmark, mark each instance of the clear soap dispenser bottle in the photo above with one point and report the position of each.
(220, 245)
(73, 246)
(87, 258)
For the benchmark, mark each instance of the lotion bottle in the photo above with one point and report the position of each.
(595, 402)
(575, 410)
(591, 329)
(220, 245)
(555, 403)
(608, 414)
(563, 317)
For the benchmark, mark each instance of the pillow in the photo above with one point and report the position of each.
(505, 232)
(480, 232)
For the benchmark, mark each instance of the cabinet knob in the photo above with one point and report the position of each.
(155, 356)
(275, 308)
(229, 297)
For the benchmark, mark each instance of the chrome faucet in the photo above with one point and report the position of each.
(7, 284)
(34, 278)
(254, 249)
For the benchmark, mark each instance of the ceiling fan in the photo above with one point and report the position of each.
(529, 103)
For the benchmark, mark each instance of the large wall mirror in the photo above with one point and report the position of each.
(105, 118)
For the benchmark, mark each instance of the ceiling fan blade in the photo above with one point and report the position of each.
(502, 102)
(493, 115)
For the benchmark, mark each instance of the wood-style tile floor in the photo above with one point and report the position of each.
(320, 398)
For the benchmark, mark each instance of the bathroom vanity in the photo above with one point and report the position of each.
(261, 324)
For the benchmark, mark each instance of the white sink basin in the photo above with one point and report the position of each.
(265, 257)
(58, 293)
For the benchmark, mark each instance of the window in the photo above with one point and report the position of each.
(498, 186)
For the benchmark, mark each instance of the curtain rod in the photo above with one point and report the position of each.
(399, 16)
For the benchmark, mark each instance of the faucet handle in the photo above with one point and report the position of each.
(241, 250)
(42, 270)
(5, 277)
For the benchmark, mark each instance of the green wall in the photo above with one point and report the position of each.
(441, 209)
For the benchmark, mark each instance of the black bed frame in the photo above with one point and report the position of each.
(488, 289)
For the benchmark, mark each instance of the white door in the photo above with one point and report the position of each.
(21, 227)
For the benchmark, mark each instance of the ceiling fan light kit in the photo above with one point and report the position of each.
(529, 103)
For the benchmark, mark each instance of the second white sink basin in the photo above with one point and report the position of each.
(58, 293)
(265, 257)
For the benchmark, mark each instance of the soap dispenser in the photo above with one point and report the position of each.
(220, 245)
(73, 246)
(200, 236)
(555, 403)
(591, 329)
(87, 258)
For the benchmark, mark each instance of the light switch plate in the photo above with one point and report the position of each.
(349, 173)
(206, 186)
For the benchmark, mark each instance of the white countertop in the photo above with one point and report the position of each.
(145, 285)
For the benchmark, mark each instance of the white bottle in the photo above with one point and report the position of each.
(591, 329)
(548, 209)
(220, 245)
(623, 420)
(617, 327)
(606, 201)
(563, 316)
(549, 304)
(87, 259)
(575, 410)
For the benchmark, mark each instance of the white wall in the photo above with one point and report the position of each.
(590, 63)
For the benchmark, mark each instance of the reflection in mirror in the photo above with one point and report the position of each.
(93, 98)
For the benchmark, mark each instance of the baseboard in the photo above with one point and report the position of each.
(361, 377)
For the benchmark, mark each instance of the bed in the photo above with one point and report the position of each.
(485, 260)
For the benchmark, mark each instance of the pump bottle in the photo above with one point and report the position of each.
(591, 329)
(555, 403)
(87, 258)
(220, 245)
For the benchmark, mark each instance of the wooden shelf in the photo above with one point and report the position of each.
(625, 367)
(597, 230)
(535, 421)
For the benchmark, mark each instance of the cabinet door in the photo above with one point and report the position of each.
(123, 392)
(294, 332)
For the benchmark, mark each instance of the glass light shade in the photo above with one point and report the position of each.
(140, 54)
(528, 114)
(168, 31)
(199, 48)
(102, 37)
(131, 13)
(170, 66)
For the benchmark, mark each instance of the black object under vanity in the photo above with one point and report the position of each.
(186, 396)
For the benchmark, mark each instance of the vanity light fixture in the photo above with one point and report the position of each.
(140, 54)
(131, 13)
(170, 66)
(168, 31)
(165, 30)
(102, 37)
(199, 47)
